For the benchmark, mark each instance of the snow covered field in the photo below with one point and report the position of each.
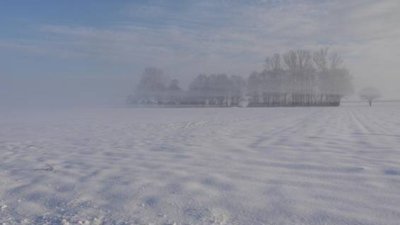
(242, 166)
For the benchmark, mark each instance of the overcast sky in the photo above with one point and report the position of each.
(92, 52)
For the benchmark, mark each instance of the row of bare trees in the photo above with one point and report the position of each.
(300, 77)
(295, 78)
(215, 90)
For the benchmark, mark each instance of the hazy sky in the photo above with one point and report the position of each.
(92, 52)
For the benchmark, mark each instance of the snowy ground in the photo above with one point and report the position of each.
(201, 166)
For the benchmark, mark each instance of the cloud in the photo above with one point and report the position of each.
(233, 36)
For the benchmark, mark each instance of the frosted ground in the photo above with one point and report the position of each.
(337, 165)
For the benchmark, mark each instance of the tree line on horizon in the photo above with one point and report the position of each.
(294, 78)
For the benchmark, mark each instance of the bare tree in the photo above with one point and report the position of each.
(174, 92)
(335, 60)
(334, 80)
(369, 94)
(151, 87)
(320, 59)
(199, 90)
(254, 88)
(302, 76)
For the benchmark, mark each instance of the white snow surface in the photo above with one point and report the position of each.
(244, 166)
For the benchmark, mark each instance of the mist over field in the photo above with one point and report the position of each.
(164, 112)
(94, 53)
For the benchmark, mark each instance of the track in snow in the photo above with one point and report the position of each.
(201, 166)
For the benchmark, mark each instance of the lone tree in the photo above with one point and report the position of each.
(370, 94)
